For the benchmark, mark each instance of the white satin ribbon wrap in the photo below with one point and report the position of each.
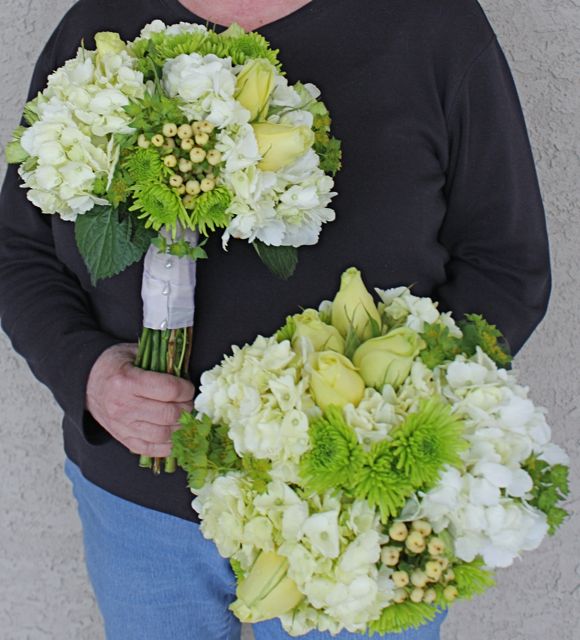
(168, 288)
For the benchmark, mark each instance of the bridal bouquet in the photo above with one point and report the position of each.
(369, 464)
(150, 145)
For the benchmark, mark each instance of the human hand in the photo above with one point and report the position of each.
(138, 408)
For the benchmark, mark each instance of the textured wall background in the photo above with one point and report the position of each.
(43, 587)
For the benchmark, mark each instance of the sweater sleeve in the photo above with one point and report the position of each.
(494, 229)
(43, 309)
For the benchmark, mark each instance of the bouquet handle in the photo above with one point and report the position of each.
(166, 339)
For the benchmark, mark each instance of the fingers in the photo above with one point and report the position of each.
(153, 433)
(136, 445)
(160, 386)
(165, 414)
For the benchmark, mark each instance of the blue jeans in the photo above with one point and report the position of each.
(155, 576)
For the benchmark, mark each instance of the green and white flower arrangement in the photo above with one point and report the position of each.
(151, 145)
(369, 464)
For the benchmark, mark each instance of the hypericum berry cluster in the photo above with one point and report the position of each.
(423, 570)
(188, 150)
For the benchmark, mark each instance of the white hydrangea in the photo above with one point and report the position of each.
(286, 208)
(67, 163)
(96, 88)
(254, 392)
(224, 507)
(399, 304)
(206, 85)
(481, 521)
(374, 417)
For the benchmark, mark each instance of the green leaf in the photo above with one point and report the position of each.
(281, 261)
(477, 332)
(441, 346)
(560, 475)
(556, 517)
(108, 244)
(15, 154)
(287, 331)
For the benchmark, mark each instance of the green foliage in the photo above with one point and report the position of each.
(330, 154)
(551, 486)
(477, 332)
(202, 449)
(335, 457)
(427, 441)
(352, 341)
(210, 211)
(381, 482)
(30, 114)
(287, 331)
(150, 114)
(109, 242)
(180, 248)
(237, 569)
(397, 618)
(281, 261)
(472, 579)
(441, 345)
(15, 154)
(258, 471)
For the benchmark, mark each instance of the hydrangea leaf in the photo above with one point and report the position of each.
(109, 243)
(281, 261)
(551, 486)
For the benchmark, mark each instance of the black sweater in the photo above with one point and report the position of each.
(438, 190)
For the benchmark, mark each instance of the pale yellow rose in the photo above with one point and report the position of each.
(388, 359)
(353, 306)
(266, 592)
(334, 380)
(322, 336)
(109, 42)
(254, 86)
(280, 144)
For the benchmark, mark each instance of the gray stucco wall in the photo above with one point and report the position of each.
(43, 586)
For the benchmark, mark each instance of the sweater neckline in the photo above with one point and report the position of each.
(183, 13)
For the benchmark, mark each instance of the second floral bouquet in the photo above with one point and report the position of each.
(369, 464)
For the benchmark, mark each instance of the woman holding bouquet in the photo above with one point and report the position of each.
(438, 188)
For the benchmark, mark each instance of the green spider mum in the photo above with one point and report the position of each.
(234, 43)
(426, 441)
(472, 579)
(398, 617)
(145, 165)
(159, 205)
(381, 483)
(335, 457)
(210, 211)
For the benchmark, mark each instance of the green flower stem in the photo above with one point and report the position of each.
(170, 464)
(155, 353)
(166, 351)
